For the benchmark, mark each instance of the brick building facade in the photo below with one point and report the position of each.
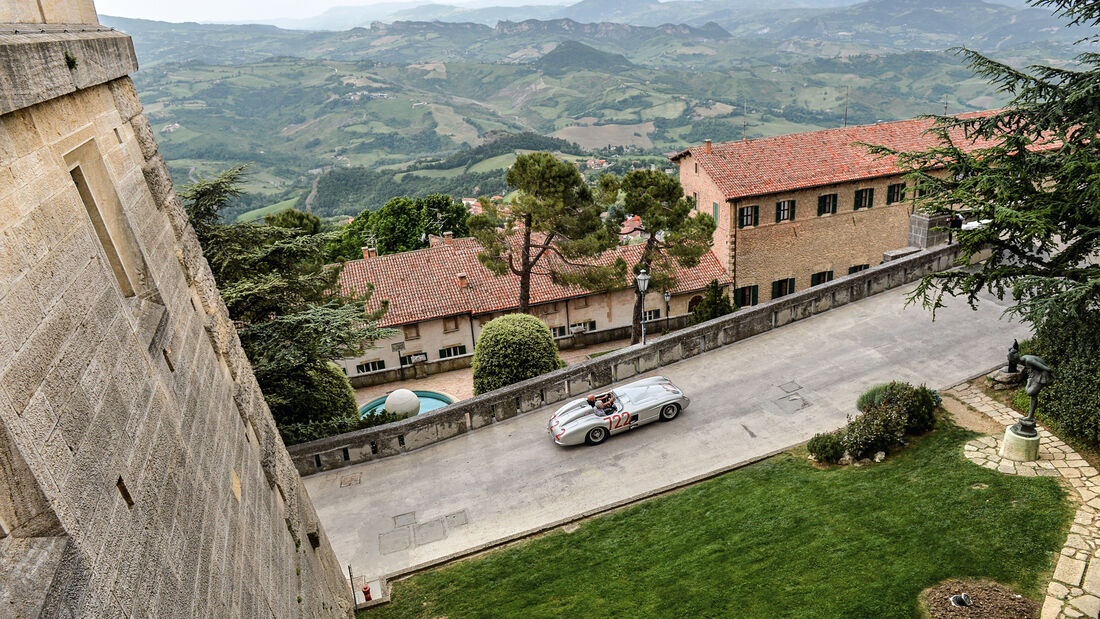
(798, 210)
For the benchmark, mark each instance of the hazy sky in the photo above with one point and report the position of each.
(254, 10)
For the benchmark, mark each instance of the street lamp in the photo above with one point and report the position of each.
(641, 280)
(668, 297)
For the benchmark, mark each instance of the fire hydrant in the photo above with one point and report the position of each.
(366, 593)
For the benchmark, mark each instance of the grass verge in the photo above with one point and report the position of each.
(778, 538)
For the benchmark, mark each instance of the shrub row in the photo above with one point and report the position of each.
(294, 433)
(888, 413)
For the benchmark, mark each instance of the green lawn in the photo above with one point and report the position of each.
(776, 539)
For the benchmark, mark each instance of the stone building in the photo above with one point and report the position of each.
(796, 210)
(141, 474)
(440, 297)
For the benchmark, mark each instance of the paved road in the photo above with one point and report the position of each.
(755, 397)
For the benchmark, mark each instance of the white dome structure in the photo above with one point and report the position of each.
(403, 402)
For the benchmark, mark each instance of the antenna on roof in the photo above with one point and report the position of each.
(846, 89)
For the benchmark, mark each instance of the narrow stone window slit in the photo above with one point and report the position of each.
(125, 493)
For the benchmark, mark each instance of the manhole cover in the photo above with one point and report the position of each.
(790, 387)
(457, 519)
(394, 541)
(404, 519)
(430, 532)
(350, 480)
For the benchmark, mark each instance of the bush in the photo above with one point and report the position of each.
(879, 429)
(511, 349)
(715, 303)
(1070, 345)
(920, 408)
(826, 447)
(319, 392)
(294, 433)
(872, 397)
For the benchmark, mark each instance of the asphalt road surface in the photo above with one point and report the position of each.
(750, 399)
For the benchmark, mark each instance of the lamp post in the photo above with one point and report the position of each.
(668, 297)
(641, 280)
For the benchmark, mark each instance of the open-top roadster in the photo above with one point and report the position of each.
(621, 409)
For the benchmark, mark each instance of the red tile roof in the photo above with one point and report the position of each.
(747, 168)
(424, 284)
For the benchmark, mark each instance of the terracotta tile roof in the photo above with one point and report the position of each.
(424, 284)
(747, 168)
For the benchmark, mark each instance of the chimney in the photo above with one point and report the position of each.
(370, 252)
(449, 239)
(462, 281)
(707, 148)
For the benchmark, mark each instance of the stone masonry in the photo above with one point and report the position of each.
(1074, 591)
(141, 474)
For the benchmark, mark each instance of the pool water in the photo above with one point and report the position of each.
(429, 401)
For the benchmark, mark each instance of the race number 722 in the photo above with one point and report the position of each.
(618, 420)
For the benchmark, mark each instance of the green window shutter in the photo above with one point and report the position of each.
(778, 213)
(870, 197)
(792, 209)
(756, 215)
(715, 211)
(822, 206)
(775, 288)
(790, 285)
(833, 200)
(755, 295)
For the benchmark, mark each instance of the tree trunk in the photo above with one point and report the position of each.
(525, 267)
(636, 326)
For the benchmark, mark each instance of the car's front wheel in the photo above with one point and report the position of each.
(596, 436)
(669, 412)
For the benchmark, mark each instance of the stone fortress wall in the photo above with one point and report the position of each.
(141, 473)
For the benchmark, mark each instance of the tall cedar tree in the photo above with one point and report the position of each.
(1037, 187)
(291, 317)
(675, 237)
(552, 228)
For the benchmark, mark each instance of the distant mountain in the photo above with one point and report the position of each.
(573, 56)
(935, 24)
(606, 30)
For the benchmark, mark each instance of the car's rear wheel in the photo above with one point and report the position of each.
(669, 412)
(596, 436)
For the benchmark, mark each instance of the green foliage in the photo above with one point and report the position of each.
(553, 228)
(306, 223)
(1037, 183)
(346, 191)
(1071, 345)
(291, 317)
(294, 433)
(828, 447)
(513, 348)
(881, 428)
(872, 397)
(676, 236)
(917, 404)
(715, 303)
(808, 538)
(401, 225)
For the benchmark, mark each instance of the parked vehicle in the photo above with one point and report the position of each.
(621, 409)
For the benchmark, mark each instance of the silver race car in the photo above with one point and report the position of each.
(618, 410)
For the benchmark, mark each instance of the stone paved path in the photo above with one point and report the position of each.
(1075, 589)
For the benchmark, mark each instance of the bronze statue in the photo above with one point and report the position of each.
(1013, 357)
(1039, 375)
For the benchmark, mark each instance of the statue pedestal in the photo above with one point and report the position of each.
(1002, 379)
(1019, 448)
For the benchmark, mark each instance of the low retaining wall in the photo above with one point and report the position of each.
(415, 432)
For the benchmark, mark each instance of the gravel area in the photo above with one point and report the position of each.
(990, 601)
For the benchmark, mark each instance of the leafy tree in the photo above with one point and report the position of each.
(350, 240)
(1035, 182)
(513, 348)
(440, 213)
(674, 236)
(553, 228)
(715, 303)
(397, 226)
(291, 317)
(307, 223)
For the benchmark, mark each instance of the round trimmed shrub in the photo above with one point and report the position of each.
(879, 429)
(511, 349)
(827, 447)
(920, 406)
(320, 391)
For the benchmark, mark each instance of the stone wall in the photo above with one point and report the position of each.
(576, 380)
(141, 473)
